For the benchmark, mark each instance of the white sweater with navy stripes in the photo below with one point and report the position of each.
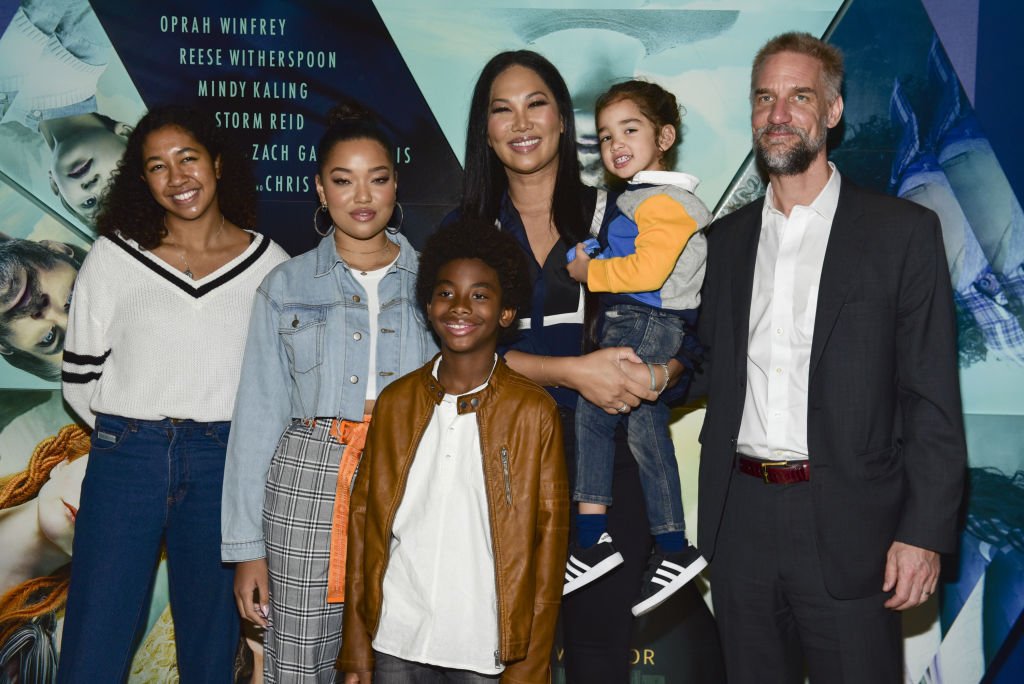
(146, 341)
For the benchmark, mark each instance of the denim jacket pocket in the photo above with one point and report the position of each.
(302, 331)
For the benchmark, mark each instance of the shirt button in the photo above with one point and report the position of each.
(778, 371)
(778, 331)
(357, 336)
(355, 298)
(354, 379)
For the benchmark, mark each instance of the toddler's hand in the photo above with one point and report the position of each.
(579, 261)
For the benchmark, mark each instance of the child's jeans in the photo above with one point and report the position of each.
(392, 670)
(656, 336)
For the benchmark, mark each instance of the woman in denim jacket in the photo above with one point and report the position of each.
(330, 329)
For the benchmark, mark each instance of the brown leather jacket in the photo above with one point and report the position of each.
(528, 502)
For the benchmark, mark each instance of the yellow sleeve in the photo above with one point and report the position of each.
(664, 227)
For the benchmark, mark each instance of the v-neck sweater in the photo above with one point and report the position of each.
(146, 341)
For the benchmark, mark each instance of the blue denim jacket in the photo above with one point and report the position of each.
(306, 356)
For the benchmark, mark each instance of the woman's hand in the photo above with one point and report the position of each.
(358, 678)
(252, 591)
(614, 379)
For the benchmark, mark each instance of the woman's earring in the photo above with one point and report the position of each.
(393, 230)
(316, 220)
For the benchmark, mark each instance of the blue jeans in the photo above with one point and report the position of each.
(656, 336)
(147, 482)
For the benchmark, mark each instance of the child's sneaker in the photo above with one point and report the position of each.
(586, 565)
(666, 574)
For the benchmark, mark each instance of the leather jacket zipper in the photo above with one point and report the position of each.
(508, 477)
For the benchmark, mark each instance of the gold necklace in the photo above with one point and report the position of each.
(386, 249)
(387, 245)
(188, 269)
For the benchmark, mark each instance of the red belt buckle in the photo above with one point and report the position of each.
(770, 464)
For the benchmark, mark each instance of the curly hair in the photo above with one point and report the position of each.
(473, 238)
(655, 103)
(128, 206)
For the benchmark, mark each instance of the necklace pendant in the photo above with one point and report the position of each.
(188, 272)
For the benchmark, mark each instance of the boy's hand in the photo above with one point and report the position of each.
(252, 591)
(358, 678)
(578, 266)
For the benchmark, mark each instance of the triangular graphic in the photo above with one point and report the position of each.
(702, 55)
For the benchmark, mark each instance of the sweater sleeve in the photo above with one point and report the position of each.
(262, 411)
(664, 227)
(87, 344)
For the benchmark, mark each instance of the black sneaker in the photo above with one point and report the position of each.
(666, 574)
(586, 565)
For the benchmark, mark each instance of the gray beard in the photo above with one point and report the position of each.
(790, 161)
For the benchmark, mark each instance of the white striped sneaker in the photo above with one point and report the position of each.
(666, 574)
(586, 565)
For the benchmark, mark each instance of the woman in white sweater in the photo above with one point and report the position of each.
(152, 359)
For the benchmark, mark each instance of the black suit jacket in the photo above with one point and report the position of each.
(884, 426)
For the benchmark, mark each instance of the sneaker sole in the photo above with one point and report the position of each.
(655, 600)
(596, 571)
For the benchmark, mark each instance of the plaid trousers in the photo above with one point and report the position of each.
(304, 635)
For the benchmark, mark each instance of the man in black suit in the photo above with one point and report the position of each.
(833, 453)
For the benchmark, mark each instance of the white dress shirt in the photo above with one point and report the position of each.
(440, 598)
(790, 254)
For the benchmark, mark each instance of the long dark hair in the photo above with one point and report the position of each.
(128, 207)
(485, 181)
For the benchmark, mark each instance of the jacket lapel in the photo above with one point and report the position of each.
(839, 271)
(747, 235)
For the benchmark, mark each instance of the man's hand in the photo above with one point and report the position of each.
(358, 678)
(911, 573)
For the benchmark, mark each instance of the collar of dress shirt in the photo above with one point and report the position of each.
(824, 204)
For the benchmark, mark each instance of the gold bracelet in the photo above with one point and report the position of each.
(544, 378)
(668, 376)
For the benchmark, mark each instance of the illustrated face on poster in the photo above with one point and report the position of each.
(58, 502)
(36, 283)
(86, 150)
(64, 98)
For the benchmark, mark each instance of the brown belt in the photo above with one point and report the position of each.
(774, 472)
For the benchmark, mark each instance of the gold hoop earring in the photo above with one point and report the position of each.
(316, 221)
(393, 230)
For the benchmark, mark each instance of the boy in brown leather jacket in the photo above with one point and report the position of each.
(459, 516)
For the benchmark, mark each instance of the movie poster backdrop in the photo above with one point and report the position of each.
(75, 77)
